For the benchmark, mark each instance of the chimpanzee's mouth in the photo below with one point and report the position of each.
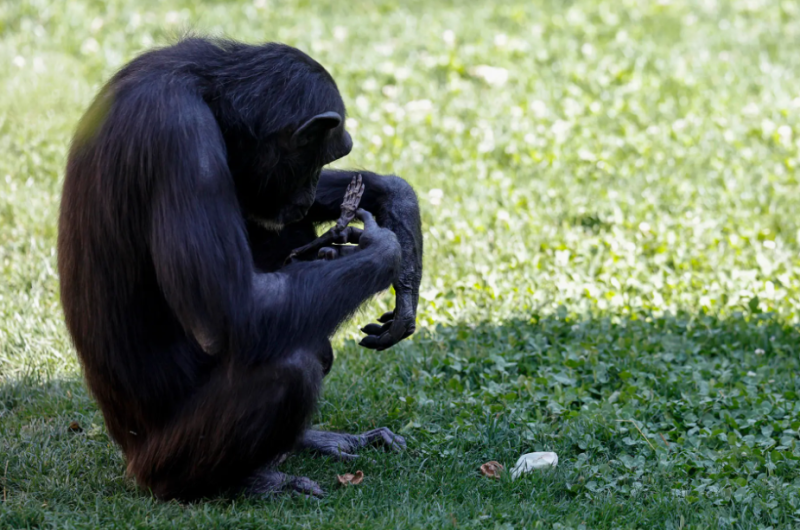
(292, 214)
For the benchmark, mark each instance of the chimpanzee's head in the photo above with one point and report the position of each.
(290, 125)
(317, 142)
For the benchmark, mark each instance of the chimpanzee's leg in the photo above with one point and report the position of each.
(270, 481)
(238, 423)
(342, 446)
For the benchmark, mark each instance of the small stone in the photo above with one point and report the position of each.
(529, 462)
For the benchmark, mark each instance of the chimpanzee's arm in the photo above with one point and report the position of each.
(199, 248)
(309, 299)
(394, 204)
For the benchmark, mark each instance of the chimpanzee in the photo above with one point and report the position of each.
(193, 175)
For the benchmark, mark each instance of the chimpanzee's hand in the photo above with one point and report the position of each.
(375, 235)
(345, 243)
(395, 325)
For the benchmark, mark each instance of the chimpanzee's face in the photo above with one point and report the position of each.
(300, 199)
(292, 187)
(337, 144)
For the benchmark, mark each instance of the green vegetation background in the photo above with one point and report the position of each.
(610, 198)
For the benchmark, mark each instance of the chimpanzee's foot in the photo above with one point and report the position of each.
(270, 482)
(342, 446)
(352, 197)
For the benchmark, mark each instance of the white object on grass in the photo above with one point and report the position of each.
(529, 462)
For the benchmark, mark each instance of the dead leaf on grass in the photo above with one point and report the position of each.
(492, 469)
(351, 478)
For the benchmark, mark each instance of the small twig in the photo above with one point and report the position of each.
(5, 474)
(665, 440)
(352, 198)
(640, 432)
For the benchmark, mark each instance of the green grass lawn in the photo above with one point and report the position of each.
(612, 246)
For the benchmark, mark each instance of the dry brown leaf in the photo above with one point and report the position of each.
(75, 427)
(351, 478)
(492, 469)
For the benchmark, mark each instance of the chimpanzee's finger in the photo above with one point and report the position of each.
(327, 253)
(346, 250)
(380, 342)
(367, 219)
(376, 329)
(386, 317)
(351, 234)
(354, 189)
(370, 341)
(345, 457)
(387, 340)
(383, 436)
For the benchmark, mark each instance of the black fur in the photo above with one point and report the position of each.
(205, 355)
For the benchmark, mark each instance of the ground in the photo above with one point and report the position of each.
(610, 197)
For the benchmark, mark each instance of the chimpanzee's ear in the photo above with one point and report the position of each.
(315, 128)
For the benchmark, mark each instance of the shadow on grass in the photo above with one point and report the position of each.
(654, 418)
(669, 411)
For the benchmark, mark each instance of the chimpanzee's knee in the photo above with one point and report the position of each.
(241, 420)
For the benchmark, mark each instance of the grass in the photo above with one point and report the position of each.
(612, 262)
